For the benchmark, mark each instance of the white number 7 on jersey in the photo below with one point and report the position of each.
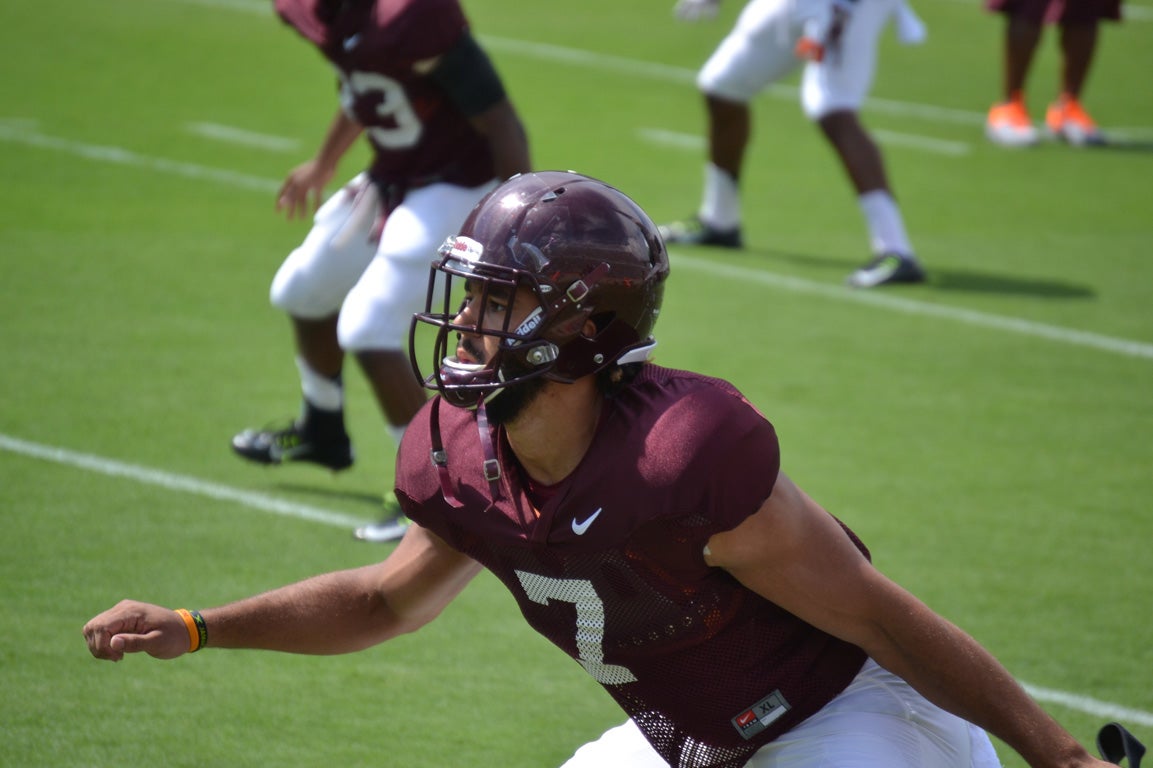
(590, 622)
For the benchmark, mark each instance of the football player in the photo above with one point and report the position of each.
(443, 132)
(836, 42)
(640, 517)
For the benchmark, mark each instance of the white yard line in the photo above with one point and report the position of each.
(1087, 704)
(696, 142)
(263, 503)
(175, 482)
(925, 143)
(661, 137)
(232, 135)
(673, 74)
(1071, 336)
(13, 131)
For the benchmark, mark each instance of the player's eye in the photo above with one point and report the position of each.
(496, 305)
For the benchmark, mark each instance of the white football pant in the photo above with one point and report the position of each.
(759, 51)
(879, 721)
(375, 279)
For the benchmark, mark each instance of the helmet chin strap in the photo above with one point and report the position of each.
(491, 465)
(440, 456)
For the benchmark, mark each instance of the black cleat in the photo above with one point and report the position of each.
(887, 269)
(274, 446)
(390, 527)
(695, 232)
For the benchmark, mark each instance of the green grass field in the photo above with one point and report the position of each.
(988, 434)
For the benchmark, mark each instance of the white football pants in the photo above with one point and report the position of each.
(759, 51)
(877, 722)
(376, 277)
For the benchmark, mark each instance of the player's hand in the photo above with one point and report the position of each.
(696, 10)
(910, 29)
(824, 27)
(132, 627)
(303, 191)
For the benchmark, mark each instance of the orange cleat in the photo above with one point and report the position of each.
(1009, 125)
(1066, 119)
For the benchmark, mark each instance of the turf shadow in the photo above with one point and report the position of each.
(985, 282)
(1125, 145)
(943, 279)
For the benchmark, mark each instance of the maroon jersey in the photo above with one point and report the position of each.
(1059, 11)
(613, 572)
(382, 51)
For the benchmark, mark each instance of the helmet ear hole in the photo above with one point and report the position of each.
(600, 321)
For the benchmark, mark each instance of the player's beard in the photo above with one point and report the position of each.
(511, 400)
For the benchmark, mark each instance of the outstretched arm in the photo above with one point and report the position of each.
(333, 613)
(795, 554)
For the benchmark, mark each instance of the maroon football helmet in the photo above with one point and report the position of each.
(585, 251)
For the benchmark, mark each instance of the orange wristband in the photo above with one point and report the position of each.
(197, 630)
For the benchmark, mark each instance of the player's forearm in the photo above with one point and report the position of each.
(335, 613)
(342, 134)
(951, 669)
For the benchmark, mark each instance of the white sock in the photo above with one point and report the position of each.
(721, 201)
(886, 227)
(323, 392)
(396, 432)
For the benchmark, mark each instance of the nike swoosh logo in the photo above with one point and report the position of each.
(580, 528)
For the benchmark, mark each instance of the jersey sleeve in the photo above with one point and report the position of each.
(743, 458)
(468, 76)
(712, 455)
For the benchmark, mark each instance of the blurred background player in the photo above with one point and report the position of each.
(837, 42)
(443, 133)
(1008, 123)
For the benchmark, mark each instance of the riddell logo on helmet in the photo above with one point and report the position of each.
(467, 248)
(530, 323)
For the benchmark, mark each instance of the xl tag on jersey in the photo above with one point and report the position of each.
(761, 715)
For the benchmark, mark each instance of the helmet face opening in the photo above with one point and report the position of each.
(453, 282)
(589, 259)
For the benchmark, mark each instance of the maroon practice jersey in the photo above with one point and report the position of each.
(612, 570)
(382, 51)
